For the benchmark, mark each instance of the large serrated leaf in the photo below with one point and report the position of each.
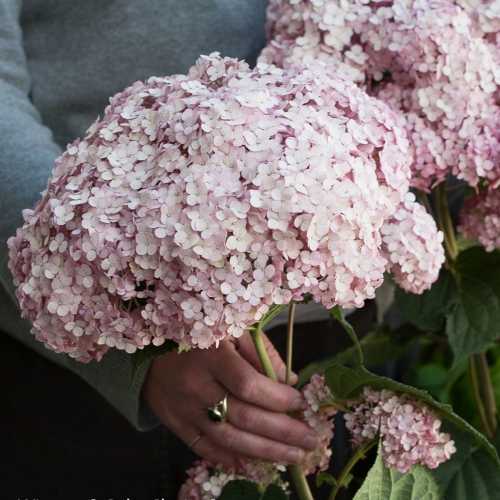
(347, 383)
(469, 474)
(428, 311)
(473, 324)
(382, 483)
(242, 489)
(274, 492)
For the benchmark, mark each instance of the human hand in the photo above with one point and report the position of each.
(180, 387)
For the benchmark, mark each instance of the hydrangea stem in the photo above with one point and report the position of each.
(344, 477)
(296, 473)
(482, 387)
(289, 342)
(446, 224)
(483, 393)
(265, 361)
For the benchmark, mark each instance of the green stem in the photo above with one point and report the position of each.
(343, 479)
(445, 223)
(296, 473)
(338, 314)
(289, 342)
(264, 358)
(483, 393)
(300, 482)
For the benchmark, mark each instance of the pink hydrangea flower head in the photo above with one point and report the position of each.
(480, 219)
(199, 200)
(414, 246)
(409, 431)
(423, 57)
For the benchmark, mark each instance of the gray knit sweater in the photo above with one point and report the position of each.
(60, 60)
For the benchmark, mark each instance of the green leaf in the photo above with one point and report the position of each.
(274, 492)
(347, 383)
(325, 478)
(439, 379)
(383, 483)
(428, 310)
(378, 347)
(470, 474)
(474, 321)
(240, 489)
(431, 377)
(143, 356)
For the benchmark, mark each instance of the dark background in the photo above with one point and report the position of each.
(60, 440)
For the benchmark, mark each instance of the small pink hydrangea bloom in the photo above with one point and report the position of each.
(206, 482)
(409, 431)
(480, 219)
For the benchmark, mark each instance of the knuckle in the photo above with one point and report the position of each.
(247, 388)
(227, 439)
(276, 453)
(286, 434)
(245, 419)
(191, 385)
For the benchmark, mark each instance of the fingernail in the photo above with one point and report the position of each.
(295, 456)
(311, 441)
(299, 404)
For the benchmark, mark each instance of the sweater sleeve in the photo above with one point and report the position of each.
(27, 153)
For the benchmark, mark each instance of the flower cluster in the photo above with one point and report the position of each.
(480, 219)
(425, 58)
(199, 200)
(410, 432)
(206, 481)
(414, 246)
(485, 16)
(319, 416)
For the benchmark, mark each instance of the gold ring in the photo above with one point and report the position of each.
(218, 413)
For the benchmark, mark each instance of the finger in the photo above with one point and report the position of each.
(216, 455)
(183, 425)
(276, 426)
(247, 349)
(236, 441)
(203, 446)
(246, 383)
(254, 420)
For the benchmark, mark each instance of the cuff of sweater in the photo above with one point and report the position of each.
(111, 377)
(114, 379)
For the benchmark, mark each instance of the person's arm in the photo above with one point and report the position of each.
(27, 153)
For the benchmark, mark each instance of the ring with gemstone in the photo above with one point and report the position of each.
(218, 413)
